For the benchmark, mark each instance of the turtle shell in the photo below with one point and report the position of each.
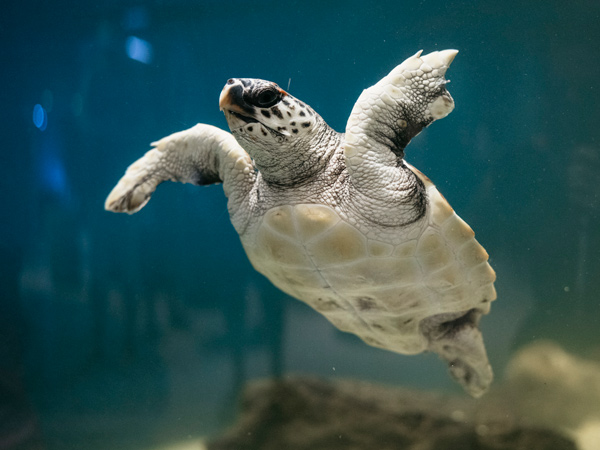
(379, 288)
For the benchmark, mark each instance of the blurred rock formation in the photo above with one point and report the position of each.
(550, 388)
(302, 413)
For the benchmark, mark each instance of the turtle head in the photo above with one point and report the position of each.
(279, 131)
(260, 112)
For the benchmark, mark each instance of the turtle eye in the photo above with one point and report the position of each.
(266, 98)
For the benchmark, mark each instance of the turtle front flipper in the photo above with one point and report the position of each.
(200, 155)
(389, 114)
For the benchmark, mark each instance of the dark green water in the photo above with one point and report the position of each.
(129, 332)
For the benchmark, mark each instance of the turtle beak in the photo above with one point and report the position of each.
(230, 95)
(232, 100)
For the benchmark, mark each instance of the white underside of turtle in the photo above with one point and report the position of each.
(342, 221)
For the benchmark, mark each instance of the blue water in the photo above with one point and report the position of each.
(127, 332)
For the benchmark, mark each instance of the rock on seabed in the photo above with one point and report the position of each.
(308, 413)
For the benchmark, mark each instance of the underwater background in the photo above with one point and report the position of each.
(137, 332)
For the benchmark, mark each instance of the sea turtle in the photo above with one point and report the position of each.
(342, 221)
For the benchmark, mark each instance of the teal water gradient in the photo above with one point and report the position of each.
(138, 331)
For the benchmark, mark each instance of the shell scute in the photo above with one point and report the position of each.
(412, 300)
(482, 274)
(406, 249)
(280, 219)
(440, 208)
(341, 245)
(346, 321)
(383, 271)
(273, 246)
(456, 231)
(346, 281)
(445, 279)
(432, 252)
(473, 254)
(487, 294)
(325, 304)
(303, 279)
(313, 220)
(380, 249)
(366, 304)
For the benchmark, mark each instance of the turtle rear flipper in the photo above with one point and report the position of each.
(456, 338)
